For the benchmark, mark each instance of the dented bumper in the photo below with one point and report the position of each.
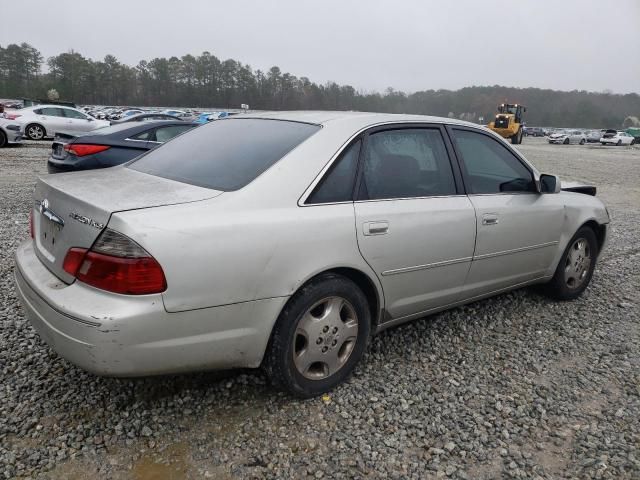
(124, 335)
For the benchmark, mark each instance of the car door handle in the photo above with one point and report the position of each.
(376, 228)
(489, 219)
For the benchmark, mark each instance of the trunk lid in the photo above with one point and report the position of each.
(59, 141)
(71, 210)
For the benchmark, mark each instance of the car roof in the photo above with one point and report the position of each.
(354, 119)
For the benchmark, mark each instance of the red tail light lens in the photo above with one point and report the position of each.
(117, 264)
(81, 149)
(31, 228)
(132, 276)
(73, 259)
(11, 116)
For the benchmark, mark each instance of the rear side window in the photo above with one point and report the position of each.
(406, 163)
(164, 134)
(52, 112)
(227, 154)
(337, 185)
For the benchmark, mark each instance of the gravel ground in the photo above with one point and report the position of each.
(512, 387)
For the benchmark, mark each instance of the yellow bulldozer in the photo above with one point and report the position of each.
(508, 122)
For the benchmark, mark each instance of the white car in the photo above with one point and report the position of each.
(9, 132)
(568, 136)
(40, 121)
(613, 137)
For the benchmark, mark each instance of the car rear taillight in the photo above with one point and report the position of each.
(81, 149)
(11, 116)
(117, 264)
(31, 229)
(73, 259)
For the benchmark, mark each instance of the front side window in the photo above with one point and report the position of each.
(489, 166)
(227, 154)
(337, 184)
(406, 163)
(73, 114)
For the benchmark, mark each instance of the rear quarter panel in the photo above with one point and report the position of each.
(215, 254)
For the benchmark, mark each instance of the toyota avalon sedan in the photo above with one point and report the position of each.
(285, 240)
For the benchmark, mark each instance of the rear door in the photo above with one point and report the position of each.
(518, 228)
(415, 227)
(53, 119)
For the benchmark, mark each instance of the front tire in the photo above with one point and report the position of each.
(576, 266)
(3, 139)
(517, 138)
(582, 141)
(319, 337)
(566, 141)
(35, 131)
(619, 143)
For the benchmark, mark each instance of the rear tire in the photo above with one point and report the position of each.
(35, 131)
(582, 142)
(619, 143)
(575, 269)
(3, 139)
(319, 337)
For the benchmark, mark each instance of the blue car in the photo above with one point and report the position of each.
(210, 116)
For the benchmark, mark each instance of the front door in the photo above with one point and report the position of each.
(518, 228)
(414, 226)
(77, 122)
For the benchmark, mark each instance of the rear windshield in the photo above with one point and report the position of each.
(225, 154)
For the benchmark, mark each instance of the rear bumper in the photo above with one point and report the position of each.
(122, 335)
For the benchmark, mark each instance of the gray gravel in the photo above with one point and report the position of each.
(512, 387)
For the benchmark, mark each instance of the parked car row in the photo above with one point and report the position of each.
(46, 121)
(604, 137)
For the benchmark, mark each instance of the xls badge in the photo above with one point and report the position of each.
(86, 220)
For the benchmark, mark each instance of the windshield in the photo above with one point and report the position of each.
(227, 154)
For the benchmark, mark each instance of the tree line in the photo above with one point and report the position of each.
(206, 81)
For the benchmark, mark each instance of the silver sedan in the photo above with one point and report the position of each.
(286, 240)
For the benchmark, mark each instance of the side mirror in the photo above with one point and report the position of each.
(549, 184)
(89, 119)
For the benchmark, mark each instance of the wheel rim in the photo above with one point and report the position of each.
(325, 338)
(577, 264)
(35, 132)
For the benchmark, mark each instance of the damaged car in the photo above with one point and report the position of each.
(286, 240)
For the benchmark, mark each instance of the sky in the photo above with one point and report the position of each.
(408, 45)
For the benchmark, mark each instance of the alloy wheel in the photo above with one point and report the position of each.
(325, 338)
(578, 263)
(35, 132)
